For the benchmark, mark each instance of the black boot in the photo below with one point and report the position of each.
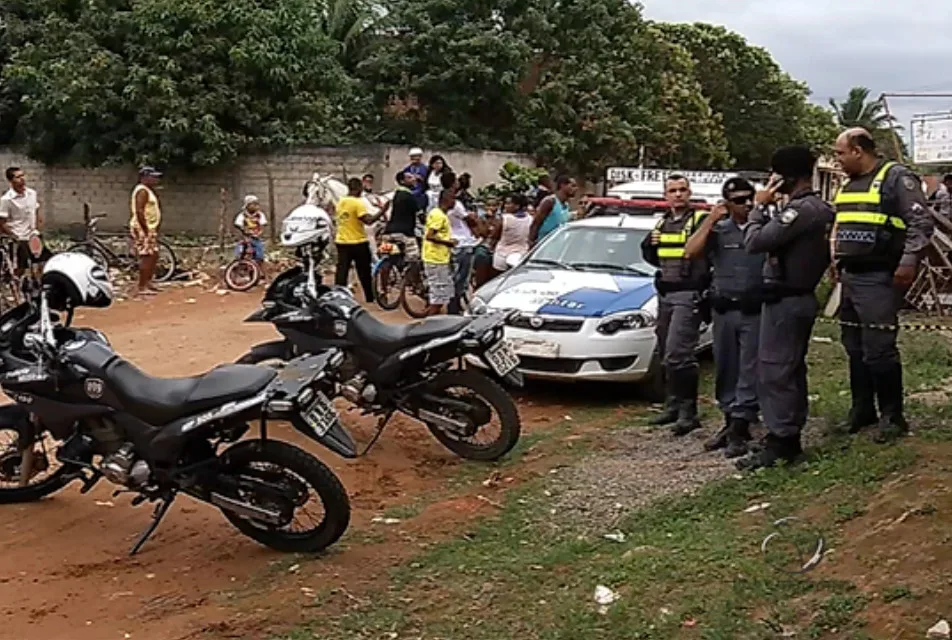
(669, 414)
(892, 422)
(775, 450)
(719, 439)
(737, 438)
(686, 381)
(863, 392)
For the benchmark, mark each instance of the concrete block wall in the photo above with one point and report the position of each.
(191, 199)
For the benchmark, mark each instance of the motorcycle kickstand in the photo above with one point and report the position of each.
(160, 510)
(380, 426)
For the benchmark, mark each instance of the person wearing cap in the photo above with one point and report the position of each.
(20, 218)
(736, 298)
(883, 226)
(795, 243)
(144, 227)
(420, 170)
(251, 221)
(680, 282)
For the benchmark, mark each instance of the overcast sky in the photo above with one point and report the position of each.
(833, 45)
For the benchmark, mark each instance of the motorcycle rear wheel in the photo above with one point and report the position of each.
(491, 393)
(313, 473)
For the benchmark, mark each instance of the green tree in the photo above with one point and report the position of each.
(447, 72)
(608, 84)
(350, 25)
(817, 129)
(173, 81)
(761, 107)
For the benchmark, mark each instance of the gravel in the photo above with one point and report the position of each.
(638, 467)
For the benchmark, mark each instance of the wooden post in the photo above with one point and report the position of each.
(271, 214)
(221, 219)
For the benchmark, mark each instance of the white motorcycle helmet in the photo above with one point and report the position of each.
(74, 280)
(306, 224)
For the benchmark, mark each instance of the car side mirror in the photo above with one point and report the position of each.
(513, 260)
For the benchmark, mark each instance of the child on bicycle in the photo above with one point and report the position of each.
(251, 221)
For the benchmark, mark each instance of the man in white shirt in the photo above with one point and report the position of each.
(19, 218)
(461, 223)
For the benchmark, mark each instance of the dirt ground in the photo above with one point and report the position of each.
(66, 574)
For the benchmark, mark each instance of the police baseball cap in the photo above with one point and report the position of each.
(149, 172)
(737, 185)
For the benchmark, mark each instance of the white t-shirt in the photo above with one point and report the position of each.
(458, 227)
(19, 212)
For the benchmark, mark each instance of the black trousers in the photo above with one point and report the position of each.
(359, 255)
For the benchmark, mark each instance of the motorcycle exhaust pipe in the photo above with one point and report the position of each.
(246, 510)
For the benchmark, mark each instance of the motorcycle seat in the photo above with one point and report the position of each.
(385, 339)
(159, 401)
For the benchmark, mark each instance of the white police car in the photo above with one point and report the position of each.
(587, 301)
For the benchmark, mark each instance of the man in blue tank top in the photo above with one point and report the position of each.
(553, 211)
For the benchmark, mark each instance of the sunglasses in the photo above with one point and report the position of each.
(741, 199)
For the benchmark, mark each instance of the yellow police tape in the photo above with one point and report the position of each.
(906, 326)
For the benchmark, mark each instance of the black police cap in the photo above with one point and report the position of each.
(737, 184)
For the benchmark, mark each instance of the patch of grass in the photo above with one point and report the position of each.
(896, 592)
(689, 567)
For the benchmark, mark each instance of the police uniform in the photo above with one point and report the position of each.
(882, 222)
(796, 244)
(736, 298)
(680, 284)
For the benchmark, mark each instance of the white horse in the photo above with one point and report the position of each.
(326, 192)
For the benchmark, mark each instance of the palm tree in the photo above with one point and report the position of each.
(350, 23)
(859, 111)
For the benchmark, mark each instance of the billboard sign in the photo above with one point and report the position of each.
(932, 138)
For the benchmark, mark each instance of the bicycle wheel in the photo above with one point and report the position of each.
(167, 264)
(94, 252)
(414, 292)
(242, 274)
(387, 294)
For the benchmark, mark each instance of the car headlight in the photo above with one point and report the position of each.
(478, 306)
(625, 322)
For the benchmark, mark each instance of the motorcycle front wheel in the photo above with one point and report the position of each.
(272, 468)
(481, 397)
(48, 475)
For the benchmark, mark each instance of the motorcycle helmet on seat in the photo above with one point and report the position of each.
(73, 280)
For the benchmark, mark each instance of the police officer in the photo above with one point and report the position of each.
(736, 298)
(796, 244)
(680, 282)
(882, 227)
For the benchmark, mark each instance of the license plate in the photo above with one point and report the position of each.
(536, 348)
(502, 357)
(321, 415)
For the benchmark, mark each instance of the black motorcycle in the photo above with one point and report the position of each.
(407, 368)
(158, 437)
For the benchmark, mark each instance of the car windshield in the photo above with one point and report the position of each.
(594, 248)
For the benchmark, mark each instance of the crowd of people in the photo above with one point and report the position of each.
(435, 216)
(753, 265)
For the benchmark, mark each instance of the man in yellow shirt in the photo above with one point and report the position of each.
(352, 243)
(144, 227)
(438, 246)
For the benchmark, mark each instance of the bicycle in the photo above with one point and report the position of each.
(415, 286)
(87, 240)
(389, 253)
(11, 285)
(244, 272)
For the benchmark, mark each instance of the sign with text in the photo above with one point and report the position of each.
(932, 138)
(618, 175)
